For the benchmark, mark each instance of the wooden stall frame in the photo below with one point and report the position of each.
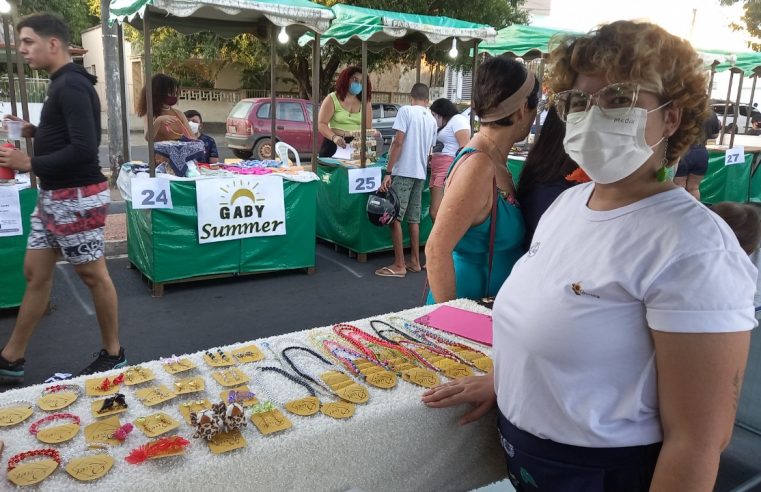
(157, 288)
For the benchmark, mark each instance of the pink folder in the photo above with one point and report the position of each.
(467, 324)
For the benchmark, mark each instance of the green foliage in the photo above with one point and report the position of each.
(751, 19)
(75, 12)
(197, 59)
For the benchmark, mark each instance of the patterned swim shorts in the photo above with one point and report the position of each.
(71, 220)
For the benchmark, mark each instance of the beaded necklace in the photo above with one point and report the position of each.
(336, 381)
(466, 353)
(391, 356)
(431, 356)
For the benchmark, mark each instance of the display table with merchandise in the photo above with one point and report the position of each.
(163, 244)
(12, 252)
(342, 216)
(391, 442)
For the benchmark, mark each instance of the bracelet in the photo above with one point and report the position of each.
(61, 387)
(35, 427)
(47, 452)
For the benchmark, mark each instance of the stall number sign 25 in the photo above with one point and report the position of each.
(151, 193)
(364, 180)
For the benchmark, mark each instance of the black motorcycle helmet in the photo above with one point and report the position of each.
(383, 207)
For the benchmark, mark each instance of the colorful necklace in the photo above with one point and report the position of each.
(360, 365)
(432, 356)
(337, 382)
(391, 356)
(466, 353)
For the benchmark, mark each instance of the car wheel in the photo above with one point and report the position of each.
(264, 149)
(242, 154)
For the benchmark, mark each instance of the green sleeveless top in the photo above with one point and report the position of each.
(342, 119)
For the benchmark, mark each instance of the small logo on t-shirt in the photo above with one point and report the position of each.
(579, 290)
(534, 248)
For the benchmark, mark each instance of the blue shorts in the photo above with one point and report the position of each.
(540, 464)
(695, 162)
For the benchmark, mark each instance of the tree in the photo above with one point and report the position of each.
(497, 13)
(751, 18)
(197, 59)
(75, 12)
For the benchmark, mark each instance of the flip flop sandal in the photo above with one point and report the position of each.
(387, 272)
(410, 269)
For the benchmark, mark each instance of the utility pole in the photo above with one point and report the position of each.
(114, 93)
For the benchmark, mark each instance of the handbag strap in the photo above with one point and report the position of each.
(492, 235)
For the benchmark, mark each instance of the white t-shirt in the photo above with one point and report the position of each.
(419, 127)
(574, 359)
(447, 134)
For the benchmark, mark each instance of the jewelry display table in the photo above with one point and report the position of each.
(393, 442)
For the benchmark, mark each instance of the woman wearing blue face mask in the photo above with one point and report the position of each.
(341, 112)
(624, 275)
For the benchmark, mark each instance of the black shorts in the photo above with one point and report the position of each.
(695, 161)
(540, 464)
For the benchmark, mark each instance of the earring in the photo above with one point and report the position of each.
(663, 172)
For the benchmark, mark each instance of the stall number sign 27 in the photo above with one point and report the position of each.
(151, 193)
(735, 155)
(364, 180)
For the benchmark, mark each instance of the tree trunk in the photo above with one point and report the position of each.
(113, 94)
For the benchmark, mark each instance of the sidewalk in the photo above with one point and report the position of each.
(116, 224)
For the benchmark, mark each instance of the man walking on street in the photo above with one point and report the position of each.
(405, 173)
(73, 200)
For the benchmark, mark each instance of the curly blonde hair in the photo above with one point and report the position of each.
(627, 51)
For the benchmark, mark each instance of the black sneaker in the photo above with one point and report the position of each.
(105, 362)
(11, 372)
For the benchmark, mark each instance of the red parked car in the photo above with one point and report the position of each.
(249, 127)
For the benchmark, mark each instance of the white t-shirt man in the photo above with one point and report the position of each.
(574, 358)
(419, 128)
(447, 134)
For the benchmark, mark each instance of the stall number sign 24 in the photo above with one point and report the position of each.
(151, 193)
(364, 180)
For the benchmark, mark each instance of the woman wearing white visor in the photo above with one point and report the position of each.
(621, 337)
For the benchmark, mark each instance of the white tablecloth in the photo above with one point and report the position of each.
(391, 443)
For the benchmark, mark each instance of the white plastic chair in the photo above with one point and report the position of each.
(282, 149)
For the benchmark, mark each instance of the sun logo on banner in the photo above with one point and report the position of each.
(228, 209)
(242, 192)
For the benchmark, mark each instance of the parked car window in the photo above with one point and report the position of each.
(744, 110)
(264, 111)
(376, 111)
(289, 111)
(285, 111)
(389, 111)
(241, 109)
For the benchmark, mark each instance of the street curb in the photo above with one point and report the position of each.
(116, 247)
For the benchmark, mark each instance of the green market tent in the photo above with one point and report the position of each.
(523, 41)
(382, 29)
(749, 61)
(225, 17)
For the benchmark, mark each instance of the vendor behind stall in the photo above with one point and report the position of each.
(168, 123)
(195, 121)
(341, 111)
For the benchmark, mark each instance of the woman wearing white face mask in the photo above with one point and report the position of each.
(195, 121)
(625, 274)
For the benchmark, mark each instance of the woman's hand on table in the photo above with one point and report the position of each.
(476, 390)
(339, 141)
